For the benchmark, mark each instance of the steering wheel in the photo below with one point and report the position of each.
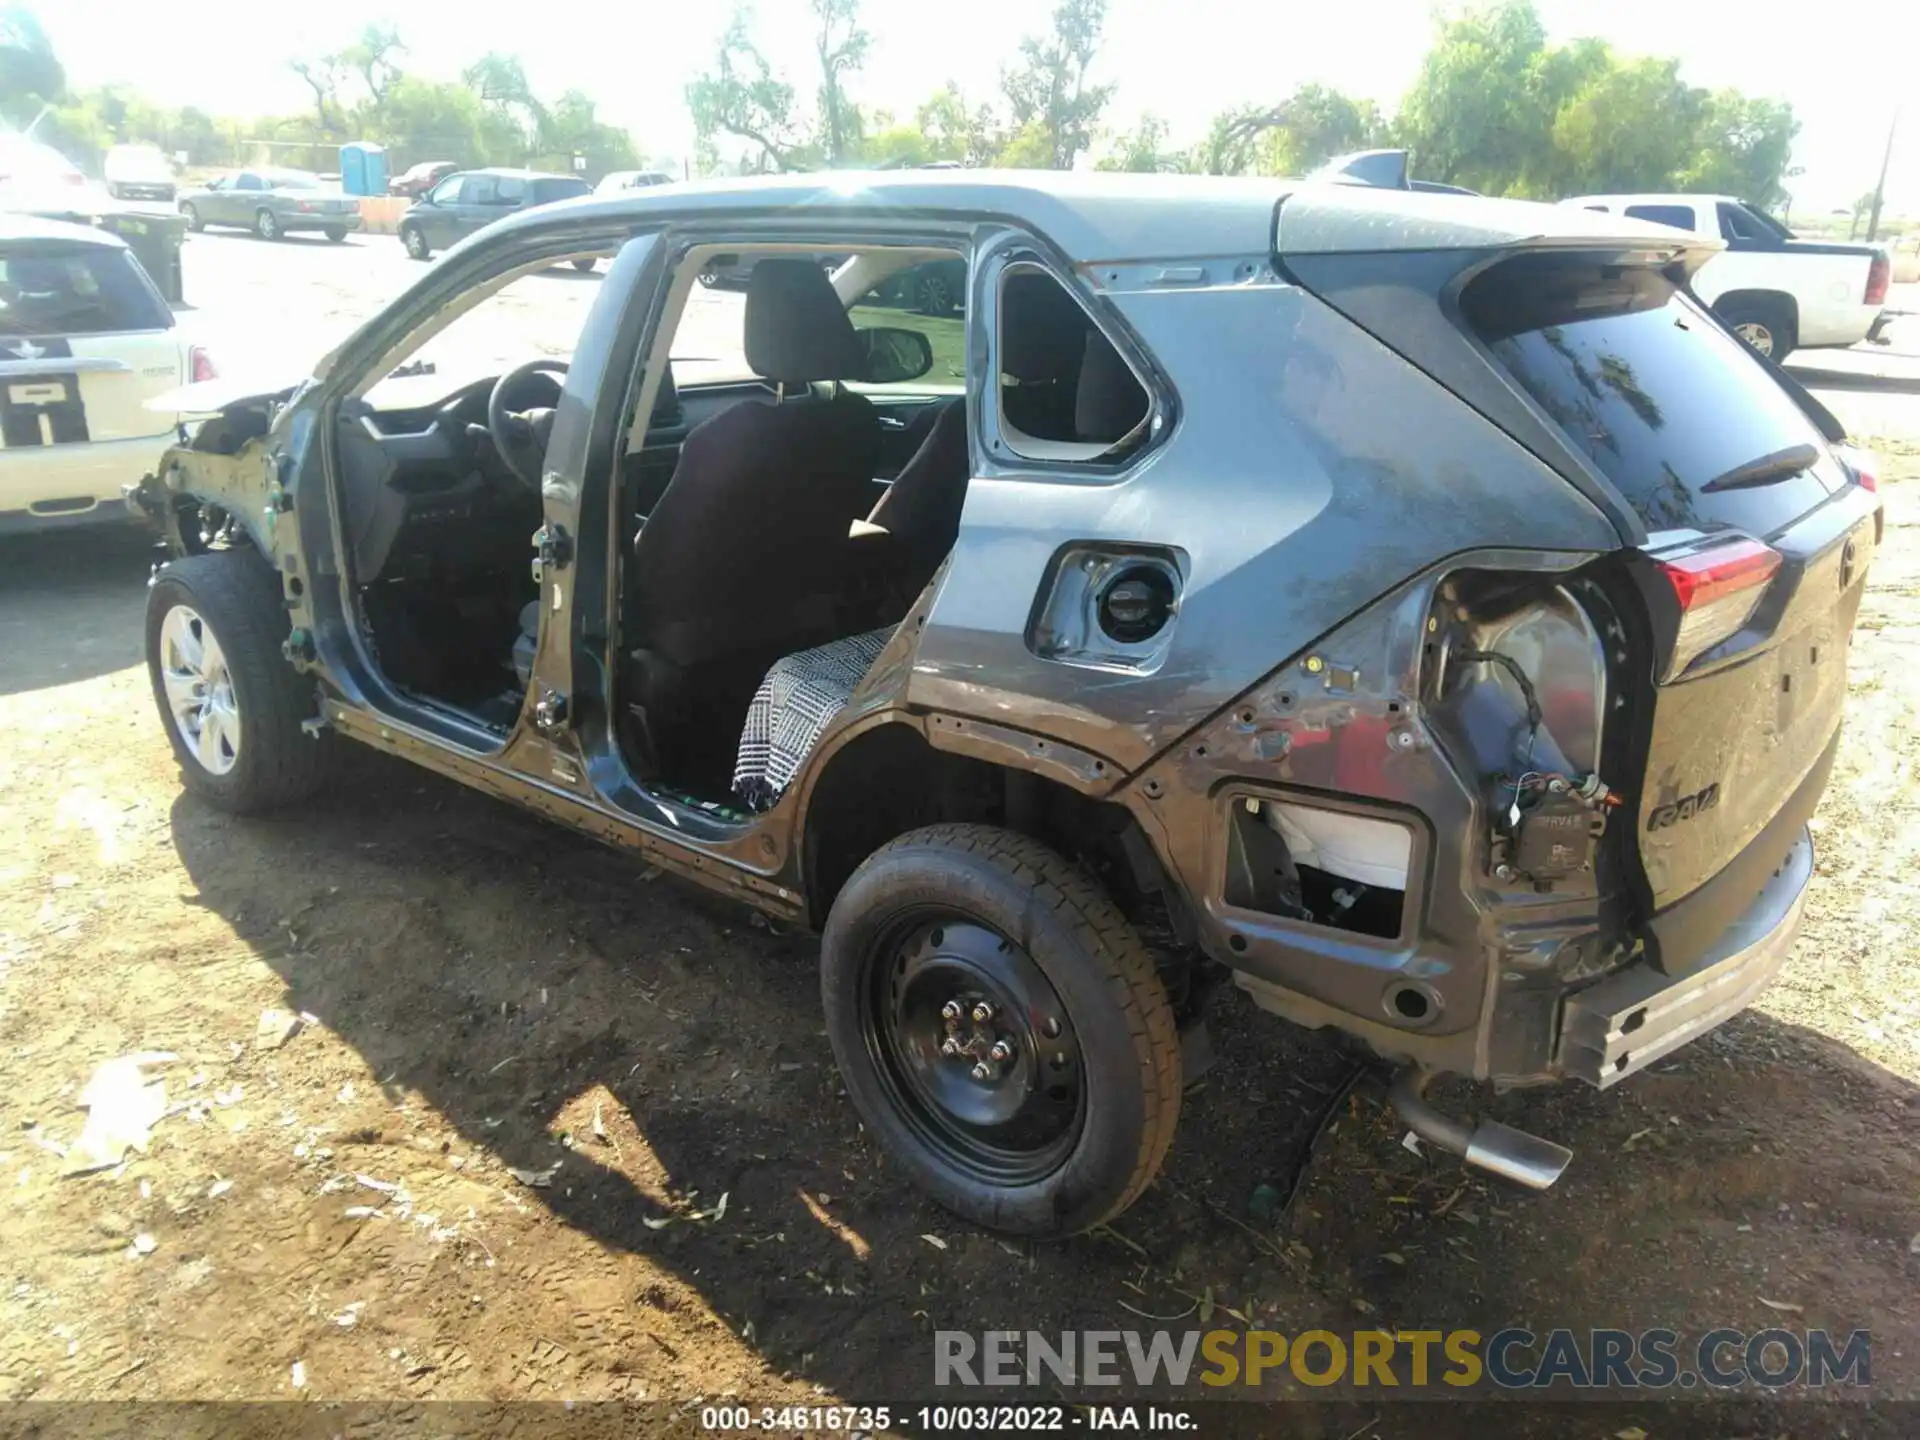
(521, 435)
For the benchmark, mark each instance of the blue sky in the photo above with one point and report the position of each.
(1844, 64)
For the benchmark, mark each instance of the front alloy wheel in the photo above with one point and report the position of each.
(234, 709)
(199, 689)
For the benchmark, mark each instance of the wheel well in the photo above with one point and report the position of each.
(890, 780)
(1777, 301)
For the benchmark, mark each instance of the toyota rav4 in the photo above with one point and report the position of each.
(1420, 609)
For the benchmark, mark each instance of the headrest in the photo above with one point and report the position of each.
(797, 331)
(1042, 330)
(1108, 401)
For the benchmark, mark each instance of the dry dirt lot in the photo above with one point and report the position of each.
(348, 1215)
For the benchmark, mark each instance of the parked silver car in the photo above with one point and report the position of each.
(272, 203)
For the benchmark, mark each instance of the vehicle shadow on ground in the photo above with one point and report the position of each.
(518, 978)
(71, 604)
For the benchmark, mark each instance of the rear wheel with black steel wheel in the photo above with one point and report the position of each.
(336, 233)
(1001, 1028)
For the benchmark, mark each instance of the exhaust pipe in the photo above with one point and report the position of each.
(1487, 1145)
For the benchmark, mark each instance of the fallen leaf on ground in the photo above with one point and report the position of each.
(1785, 1307)
(538, 1179)
(935, 1241)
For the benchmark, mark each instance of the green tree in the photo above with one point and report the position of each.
(573, 129)
(1480, 114)
(432, 120)
(30, 73)
(842, 48)
(1144, 150)
(1053, 107)
(372, 58)
(1301, 133)
(742, 97)
(1742, 147)
(956, 129)
(1632, 125)
(512, 116)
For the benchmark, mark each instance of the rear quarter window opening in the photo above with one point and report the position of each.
(1064, 390)
(1650, 389)
(57, 288)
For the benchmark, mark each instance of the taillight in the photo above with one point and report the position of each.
(1717, 587)
(200, 365)
(1862, 465)
(1879, 275)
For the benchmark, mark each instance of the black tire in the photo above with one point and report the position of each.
(1093, 964)
(236, 595)
(194, 222)
(583, 265)
(266, 224)
(933, 296)
(336, 233)
(415, 242)
(1765, 324)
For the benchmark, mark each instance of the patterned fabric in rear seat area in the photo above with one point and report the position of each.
(793, 705)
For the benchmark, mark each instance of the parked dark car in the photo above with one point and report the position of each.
(1416, 610)
(416, 180)
(470, 199)
(272, 203)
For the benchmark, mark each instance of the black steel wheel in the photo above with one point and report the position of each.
(974, 1048)
(1001, 1029)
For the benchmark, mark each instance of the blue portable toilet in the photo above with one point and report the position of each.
(363, 168)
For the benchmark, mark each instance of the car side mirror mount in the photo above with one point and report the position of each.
(890, 354)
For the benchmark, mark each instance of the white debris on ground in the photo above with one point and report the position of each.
(123, 1104)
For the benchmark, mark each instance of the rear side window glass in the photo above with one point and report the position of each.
(1680, 217)
(1065, 391)
(54, 289)
(1650, 389)
(510, 190)
(547, 191)
(480, 190)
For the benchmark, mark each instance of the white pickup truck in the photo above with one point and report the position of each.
(1780, 293)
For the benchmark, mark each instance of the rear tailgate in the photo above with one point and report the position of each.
(1752, 570)
(85, 342)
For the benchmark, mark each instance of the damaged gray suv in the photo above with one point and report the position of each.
(1416, 608)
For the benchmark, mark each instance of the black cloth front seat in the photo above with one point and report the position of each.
(742, 559)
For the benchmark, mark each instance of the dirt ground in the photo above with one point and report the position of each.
(348, 1215)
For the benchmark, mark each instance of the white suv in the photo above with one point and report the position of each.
(85, 342)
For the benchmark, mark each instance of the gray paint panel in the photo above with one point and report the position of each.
(1311, 471)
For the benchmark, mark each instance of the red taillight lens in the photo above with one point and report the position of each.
(1879, 276)
(200, 365)
(1862, 465)
(1717, 588)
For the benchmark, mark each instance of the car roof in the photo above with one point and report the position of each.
(1670, 198)
(32, 227)
(508, 172)
(1098, 216)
